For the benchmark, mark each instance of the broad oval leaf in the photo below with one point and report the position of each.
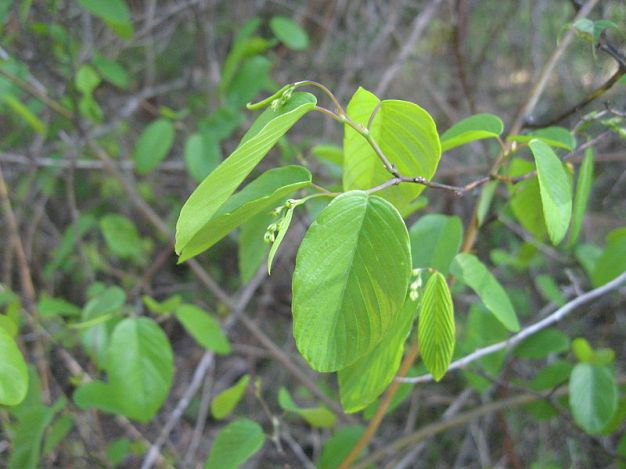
(153, 145)
(592, 396)
(475, 274)
(436, 326)
(407, 135)
(218, 186)
(262, 194)
(121, 236)
(581, 199)
(235, 444)
(470, 129)
(201, 155)
(13, 371)
(612, 261)
(225, 402)
(366, 379)
(525, 200)
(203, 328)
(555, 189)
(543, 343)
(289, 32)
(350, 280)
(435, 240)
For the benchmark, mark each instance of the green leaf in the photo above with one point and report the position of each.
(543, 343)
(57, 432)
(557, 137)
(555, 189)
(200, 157)
(87, 80)
(338, 446)
(331, 153)
(13, 371)
(592, 396)
(153, 145)
(476, 127)
(261, 195)
(407, 135)
(350, 280)
(581, 199)
(252, 247)
(235, 444)
(484, 203)
(283, 226)
(111, 71)
(318, 417)
(551, 376)
(525, 200)
(549, 289)
(121, 236)
(475, 274)
(140, 369)
(114, 13)
(162, 307)
(252, 77)
(582, 350)
(48, 307)
(225, 402)
(612, 262)
(25, 113)
(289, 33)
(218, 186)
(435, 240)
(366, 379)
(436, 326)
(203, 328)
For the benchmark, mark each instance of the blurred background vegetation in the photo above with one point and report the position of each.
(111, 115)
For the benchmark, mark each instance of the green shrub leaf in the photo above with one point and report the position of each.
(612, 261)
(153, 145)
(350, 280)
(475, 274)
(581, 199)
(235, 444)
(436, 326)
(592, 396)
(218, 186)
(555, 189)
(203, 328)
(318, 417)
(435, 240)
(289, 33)
(13, 371)
(225, 402)
(476, 127)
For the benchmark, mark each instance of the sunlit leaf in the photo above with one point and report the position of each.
(225, 402)
(235, 444)
(592, 396)
(476, 127)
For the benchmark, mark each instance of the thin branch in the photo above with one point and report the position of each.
(528, 331)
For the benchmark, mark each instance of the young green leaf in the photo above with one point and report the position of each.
(13, 371)
(592, 396)
(153, 145)
(557, 137)
(408, 137)
(225, 402)
(201, 156)
(484, 203)
(49, 307)
(338, 446)
(283, 226)
(581, 199)
(436, 326)
(114, 13)
(111, 71)
(261, 195)
(476, 127)
(203, 328)
(252, 247)
(218, 186)
(525, 199)
(318, 417)
(350, 280)
(140, 368)
(121, 236)
(475, 274)
(366, 379)
(555, 189)
(435, 240)
(235, 444)
(289, 32)
(543, 343)
(551, 376)
(612, 261)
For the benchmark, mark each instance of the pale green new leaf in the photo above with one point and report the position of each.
(203, 328)
(435, 240)
(261, 195)
(153, 145)
(408, 137)
(366, 379)
(436, 326)
(351, 278)
(581, 199)
(476, 127)
(283, 226)
(121, 236)
(318, 417)
(555, 189)
(218, 186)
(235, 444)
(289, 32)
(475, 274)
(13, 371)
(225, 402)
(592, 396)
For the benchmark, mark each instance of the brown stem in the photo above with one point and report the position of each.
(382, 408)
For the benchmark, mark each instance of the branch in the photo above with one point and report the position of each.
(530, 330)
